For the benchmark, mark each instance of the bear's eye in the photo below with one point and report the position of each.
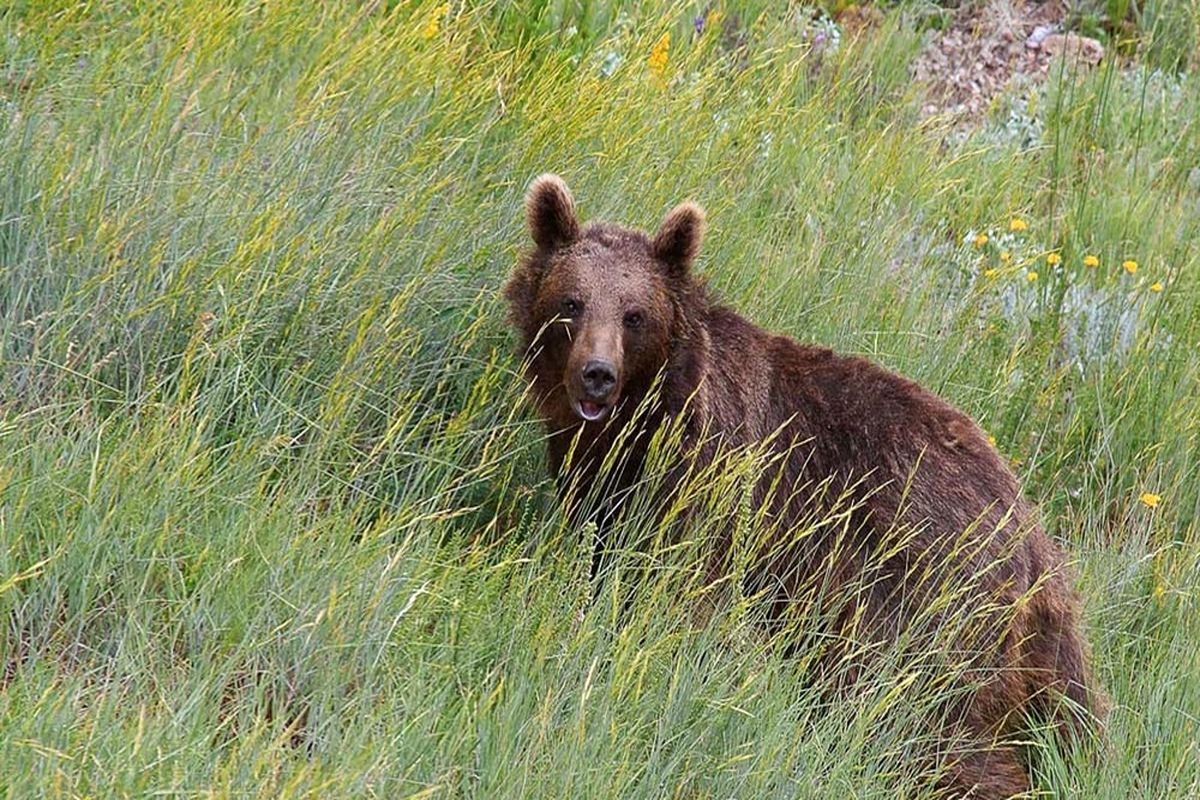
(570, 308)
(633, 320)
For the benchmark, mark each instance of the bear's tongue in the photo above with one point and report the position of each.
(590, 411)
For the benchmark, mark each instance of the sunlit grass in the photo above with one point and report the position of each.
(273, 520)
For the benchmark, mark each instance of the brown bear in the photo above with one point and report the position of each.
(612, 320)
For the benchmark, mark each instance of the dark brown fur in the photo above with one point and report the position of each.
(914, 466)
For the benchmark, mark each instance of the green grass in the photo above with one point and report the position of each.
(273, 519)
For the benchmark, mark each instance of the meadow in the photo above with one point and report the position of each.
(274, 515)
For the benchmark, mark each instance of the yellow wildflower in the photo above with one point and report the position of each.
(991, 440)
(1031, 276)
(433, 25)
(1017, 225)
(1005, 257)
(1129, 266)
(659, 55)
(990, 273)
(1091, 261)
(1150, 500)
(1053, 259)
(1156, 286)
(981, 239)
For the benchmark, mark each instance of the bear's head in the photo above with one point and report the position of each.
(598, 306)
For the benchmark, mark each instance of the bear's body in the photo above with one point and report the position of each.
(604, 311)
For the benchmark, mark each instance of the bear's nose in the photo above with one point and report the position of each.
(599, 378)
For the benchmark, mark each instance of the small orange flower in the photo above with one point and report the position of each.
(433, 24)
(981, 239)
(1150, 500)
(660, 54)
(1017, 225)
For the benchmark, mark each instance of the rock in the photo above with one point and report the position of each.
(1074, 48)
(1039, 35)
(856, 19)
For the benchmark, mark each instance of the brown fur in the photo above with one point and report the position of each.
(915, 467)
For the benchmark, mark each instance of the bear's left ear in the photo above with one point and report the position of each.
(678, 239)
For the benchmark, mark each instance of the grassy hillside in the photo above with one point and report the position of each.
(273, 519)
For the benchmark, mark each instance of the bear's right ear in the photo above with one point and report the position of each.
(550, 212)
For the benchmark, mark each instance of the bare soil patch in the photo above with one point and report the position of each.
(967, 66)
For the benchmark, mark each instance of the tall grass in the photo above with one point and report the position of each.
(273, 520)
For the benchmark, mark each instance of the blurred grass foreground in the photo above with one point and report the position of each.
(273, 518)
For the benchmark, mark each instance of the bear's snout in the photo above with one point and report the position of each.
(599, 379)
(599, 383)
(594, 371)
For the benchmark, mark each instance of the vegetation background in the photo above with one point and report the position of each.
(273, 519)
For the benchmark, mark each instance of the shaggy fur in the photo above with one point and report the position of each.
(935, 508)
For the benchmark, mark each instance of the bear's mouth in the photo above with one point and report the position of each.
(591, 412)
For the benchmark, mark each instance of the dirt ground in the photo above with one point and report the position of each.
(968, 65)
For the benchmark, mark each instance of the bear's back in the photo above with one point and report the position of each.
(915, 457)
